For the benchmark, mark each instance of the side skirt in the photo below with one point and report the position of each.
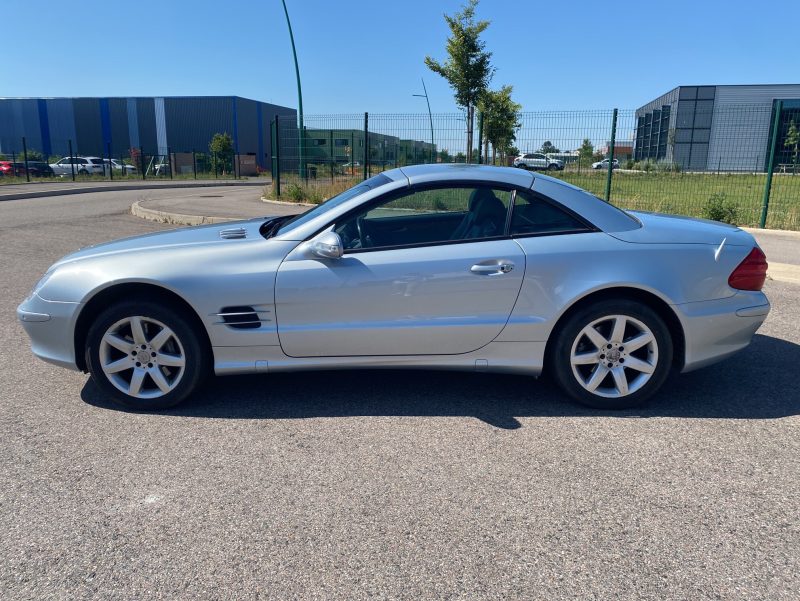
(524, 358)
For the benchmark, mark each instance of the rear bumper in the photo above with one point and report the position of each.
(715, 330)
(50, 326)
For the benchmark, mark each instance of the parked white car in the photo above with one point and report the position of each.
(116, 165)
(83, 166)
(604, 164)
(536, 160)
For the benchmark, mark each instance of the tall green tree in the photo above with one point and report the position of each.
(586, 152)
(500, 120)
(221, 147)
(549, 148)
(792, 141)
(468, 67)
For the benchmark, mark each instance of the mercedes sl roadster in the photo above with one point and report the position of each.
(463, 267)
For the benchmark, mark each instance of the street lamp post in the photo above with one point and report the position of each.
(302, 131)
(430, 116)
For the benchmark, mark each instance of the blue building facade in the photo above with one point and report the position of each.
(158, 125)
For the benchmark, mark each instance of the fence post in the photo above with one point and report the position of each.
(330, 148)
(214, 160)
(71, 161)
(169, 161)
(141, 160)
(194, 164)
(771, 164)
(366, 144)
(480, 136)
(25, 156)
(110, 164)
(352, 154)
(610, 173)
(277, 158)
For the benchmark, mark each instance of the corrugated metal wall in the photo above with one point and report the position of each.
(741, 128)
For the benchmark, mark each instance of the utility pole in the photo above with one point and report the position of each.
(430, 115)
(301, 129)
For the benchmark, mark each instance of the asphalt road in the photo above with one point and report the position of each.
(388, 485)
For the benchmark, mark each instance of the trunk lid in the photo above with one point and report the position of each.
(675, 229)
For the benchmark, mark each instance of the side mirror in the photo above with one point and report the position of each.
(327, 246)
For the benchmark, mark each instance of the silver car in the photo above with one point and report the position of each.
(460, 267)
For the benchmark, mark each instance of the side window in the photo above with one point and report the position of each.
(428, 216)
(81, 161)
(535, 215)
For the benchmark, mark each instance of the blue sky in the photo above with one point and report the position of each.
(360, 56)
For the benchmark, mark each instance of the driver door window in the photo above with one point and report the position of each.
(428, 216)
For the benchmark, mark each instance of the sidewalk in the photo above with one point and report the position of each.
(42, 189)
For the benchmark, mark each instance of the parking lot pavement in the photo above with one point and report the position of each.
(391, 485)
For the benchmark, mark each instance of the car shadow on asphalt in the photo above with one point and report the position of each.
(758, 383)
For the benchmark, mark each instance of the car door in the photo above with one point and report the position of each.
(423, 273)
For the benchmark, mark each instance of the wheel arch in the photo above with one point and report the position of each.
(106, 297)
(655, 302)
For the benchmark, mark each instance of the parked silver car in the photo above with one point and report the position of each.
(537, 160)
(436, 266)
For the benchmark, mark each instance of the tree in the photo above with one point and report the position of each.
(792, 140)
(221, 147)
(444, 156)
(549, 148)
(586, 151)
(468, 68)
(500, 120)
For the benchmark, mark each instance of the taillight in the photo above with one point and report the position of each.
(751, 273)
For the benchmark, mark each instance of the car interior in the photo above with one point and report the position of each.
(450, 214)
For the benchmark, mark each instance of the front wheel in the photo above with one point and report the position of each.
(552, 167)
(145, 355)
(612, 355)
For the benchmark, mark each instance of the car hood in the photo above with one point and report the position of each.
(182, 237)
(675, 229)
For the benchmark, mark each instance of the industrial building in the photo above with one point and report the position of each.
(161, 125)
(717, 128)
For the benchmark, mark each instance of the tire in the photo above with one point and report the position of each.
(169, 344)
(523, 166)
(612, 370)
(552, 167)
(83, 172)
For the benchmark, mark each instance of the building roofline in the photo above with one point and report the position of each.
(136, 98)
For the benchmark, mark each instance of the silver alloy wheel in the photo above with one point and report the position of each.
(142, 357)
(614, 356)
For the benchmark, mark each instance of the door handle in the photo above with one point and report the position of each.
(497, 268)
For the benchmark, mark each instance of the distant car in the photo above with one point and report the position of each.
(536, 160)
(12, 168)
(604, 164)
(471, 267)
(116, 165)
(83, 166)
(39, 169)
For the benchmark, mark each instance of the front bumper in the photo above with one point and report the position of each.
(714, 330)
(50, 326)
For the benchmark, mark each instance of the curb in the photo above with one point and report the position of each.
(285, 203)
(176, 218)
(120, 188)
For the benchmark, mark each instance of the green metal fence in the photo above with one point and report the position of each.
(737, 163)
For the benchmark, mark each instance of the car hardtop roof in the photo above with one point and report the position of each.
(451, 172)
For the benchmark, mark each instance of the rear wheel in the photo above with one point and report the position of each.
(144, 355)
(552, 167)
(612, 355)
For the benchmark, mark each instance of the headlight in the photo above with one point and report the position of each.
(42, 281)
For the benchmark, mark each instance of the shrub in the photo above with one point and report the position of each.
(719, 208)
(295, 192)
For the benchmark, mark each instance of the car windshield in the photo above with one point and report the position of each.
(333, 202)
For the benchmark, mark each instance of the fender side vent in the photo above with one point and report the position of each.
(240, 318)
(233, 233)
